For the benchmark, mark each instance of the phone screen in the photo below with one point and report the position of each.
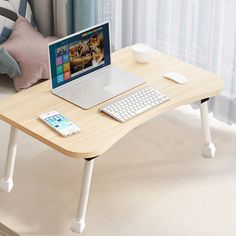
(58, 121)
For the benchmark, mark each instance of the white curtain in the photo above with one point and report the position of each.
(200, 32)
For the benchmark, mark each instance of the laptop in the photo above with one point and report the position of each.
(81, 71)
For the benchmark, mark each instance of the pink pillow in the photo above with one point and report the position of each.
(30, 49)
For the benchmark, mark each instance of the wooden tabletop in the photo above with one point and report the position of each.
(98, 131)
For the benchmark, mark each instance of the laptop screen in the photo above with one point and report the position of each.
(79, 54)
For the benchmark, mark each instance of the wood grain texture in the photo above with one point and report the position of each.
(5, 231)
(98, 131)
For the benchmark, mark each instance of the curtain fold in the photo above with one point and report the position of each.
(63, 17)
(43, 13)
(84, 14)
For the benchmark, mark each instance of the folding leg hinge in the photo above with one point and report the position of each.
(204, 100)
(90, 158)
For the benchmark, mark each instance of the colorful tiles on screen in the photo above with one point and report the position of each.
(66, 58)
(66, 66)
(67, 75)
(60, 78)
(59, 69)
(63, 64)
(62, 50)
(59, 60)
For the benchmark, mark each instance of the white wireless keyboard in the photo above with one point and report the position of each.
(134, 104)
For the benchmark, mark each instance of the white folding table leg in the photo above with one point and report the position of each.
(6, 183)
(209, 147)
(79, 224)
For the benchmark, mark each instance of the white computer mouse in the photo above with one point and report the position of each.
(178, 78)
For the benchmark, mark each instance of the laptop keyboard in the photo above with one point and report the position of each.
(134, 104)
(84, 86)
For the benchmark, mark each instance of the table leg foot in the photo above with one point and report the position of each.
(6, 185)
(78, 226)
(209, 151)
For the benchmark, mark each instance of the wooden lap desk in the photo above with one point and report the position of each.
(98, 131)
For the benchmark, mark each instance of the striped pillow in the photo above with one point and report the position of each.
(9, 12)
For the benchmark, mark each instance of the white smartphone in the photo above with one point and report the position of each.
(59, 123)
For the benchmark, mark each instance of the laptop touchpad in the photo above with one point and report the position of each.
(113, 88)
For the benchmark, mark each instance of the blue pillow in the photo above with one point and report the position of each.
(8, 65)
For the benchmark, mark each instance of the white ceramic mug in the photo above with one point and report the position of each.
(142, 52)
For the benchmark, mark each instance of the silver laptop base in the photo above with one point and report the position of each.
(95, 88)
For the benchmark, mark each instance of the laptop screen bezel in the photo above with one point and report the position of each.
(72, 35)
